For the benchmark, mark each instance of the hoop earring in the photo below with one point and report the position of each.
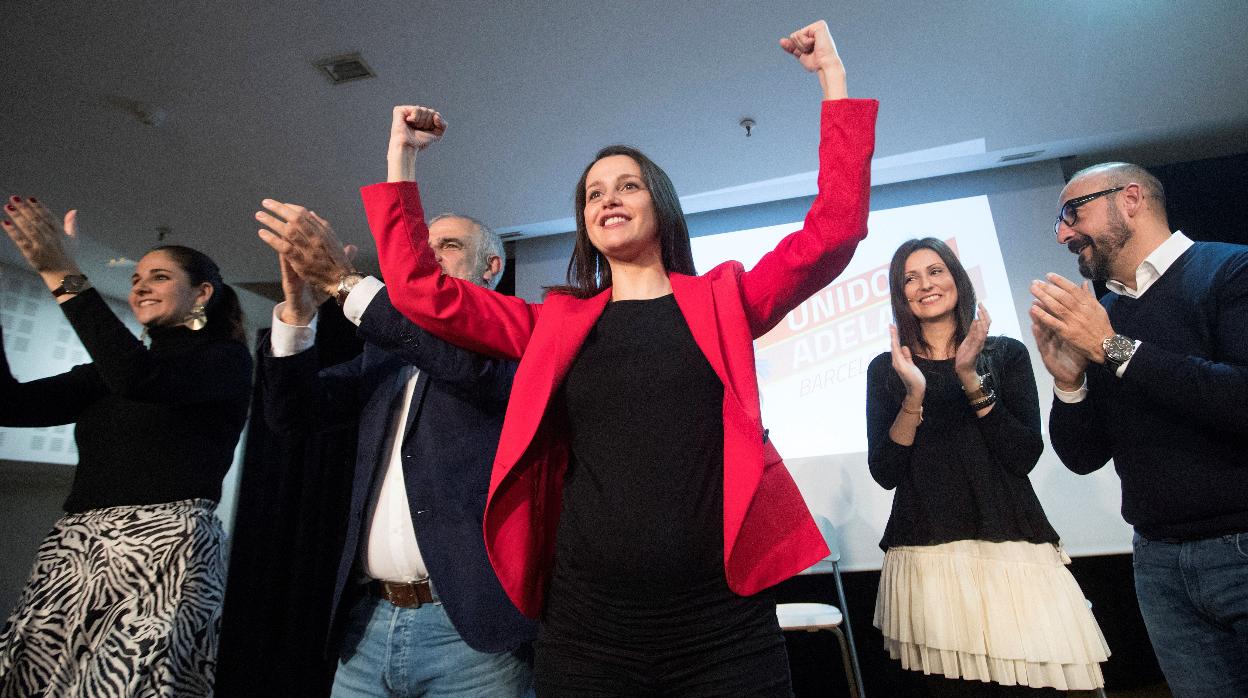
(198, 318)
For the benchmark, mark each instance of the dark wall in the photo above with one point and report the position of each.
(1206, 198)
(30, 502)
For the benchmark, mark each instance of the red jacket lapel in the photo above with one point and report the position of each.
(555, 343)
(718, 327)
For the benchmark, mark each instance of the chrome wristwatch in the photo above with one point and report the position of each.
(1118, 351)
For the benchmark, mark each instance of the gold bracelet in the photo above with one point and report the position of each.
(909, 411)
(984, 401)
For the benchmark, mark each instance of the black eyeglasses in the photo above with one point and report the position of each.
(1069, 213)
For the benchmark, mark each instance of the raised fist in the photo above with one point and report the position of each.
(415, 128)
(813, 47)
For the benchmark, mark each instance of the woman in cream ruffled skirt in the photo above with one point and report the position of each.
(974, 586)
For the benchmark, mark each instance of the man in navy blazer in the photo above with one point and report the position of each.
(417, 607)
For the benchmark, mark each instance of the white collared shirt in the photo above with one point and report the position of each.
(391, 552)
(1153, 266)
(1151, 269)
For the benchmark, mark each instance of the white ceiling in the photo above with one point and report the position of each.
(531, 89)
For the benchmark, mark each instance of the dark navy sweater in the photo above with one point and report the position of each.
(1176, 422)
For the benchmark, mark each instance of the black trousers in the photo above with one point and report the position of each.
(566, 671)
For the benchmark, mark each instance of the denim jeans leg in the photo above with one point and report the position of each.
(366, 650)
(437, 662)
(391, 652)
(1195, 605)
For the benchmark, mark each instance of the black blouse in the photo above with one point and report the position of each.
(154, 424)
(964, 477)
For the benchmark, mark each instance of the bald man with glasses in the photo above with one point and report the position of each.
(1155, 376)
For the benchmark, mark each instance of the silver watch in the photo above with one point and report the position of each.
(1118, 351)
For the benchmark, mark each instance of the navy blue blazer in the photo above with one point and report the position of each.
(448, 447)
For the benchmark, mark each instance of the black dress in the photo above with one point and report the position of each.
(638, 601)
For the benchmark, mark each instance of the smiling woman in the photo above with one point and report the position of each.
(161, 292)
(635, 409)
(974, 585)
(127, 588)
(628, 203)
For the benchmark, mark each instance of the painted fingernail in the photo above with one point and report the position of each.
(7, 224)
(33, 200)
(10, 207)
(17, 199)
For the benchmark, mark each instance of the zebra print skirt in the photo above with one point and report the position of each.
(122, 601)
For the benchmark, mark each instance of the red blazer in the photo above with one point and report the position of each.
(768, 533)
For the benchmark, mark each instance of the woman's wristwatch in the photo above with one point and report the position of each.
(982, 396)
(72, 283)
(980, 392)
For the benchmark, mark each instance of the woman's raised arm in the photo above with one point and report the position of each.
(812, 257)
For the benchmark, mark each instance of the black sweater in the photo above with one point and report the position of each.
(965, 477)
(1176, 422)
(153, 425)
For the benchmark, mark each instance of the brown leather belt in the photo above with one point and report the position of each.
(403, 594)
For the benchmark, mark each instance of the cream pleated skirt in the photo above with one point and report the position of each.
(1004, 612)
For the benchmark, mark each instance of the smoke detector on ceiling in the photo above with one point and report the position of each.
(346, 68)
(145, 113)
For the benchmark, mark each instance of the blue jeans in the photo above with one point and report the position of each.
(400, 652)
(1194, 598)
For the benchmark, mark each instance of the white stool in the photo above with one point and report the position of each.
(813, 617)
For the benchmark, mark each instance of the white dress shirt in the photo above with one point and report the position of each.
(1151, 269)
(391, 552)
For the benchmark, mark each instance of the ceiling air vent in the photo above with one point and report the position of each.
(1019, 156)
(340, 69)
(515, 235)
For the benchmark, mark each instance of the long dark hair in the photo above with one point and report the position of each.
(225, 315)
(588, 270)
(909, 333)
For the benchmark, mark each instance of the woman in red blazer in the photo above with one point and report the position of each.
(635, 503)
